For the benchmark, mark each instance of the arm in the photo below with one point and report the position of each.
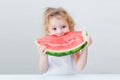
(43, 60)
(80, 59)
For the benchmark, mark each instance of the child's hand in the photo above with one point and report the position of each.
(42, 49)
(88, 39)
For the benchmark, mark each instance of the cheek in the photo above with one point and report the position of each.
(67, 29)
(51, 32)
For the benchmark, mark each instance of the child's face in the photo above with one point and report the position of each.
(58, 27)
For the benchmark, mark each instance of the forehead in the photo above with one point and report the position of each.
(56, 20)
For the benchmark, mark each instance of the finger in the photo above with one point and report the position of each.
(43, 49)
(44, 46)
(40, 48)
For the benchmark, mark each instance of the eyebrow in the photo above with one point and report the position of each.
(52, 27)
(60, 25)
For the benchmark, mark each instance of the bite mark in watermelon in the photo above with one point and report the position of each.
(70, 43)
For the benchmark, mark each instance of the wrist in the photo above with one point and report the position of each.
(43, 54)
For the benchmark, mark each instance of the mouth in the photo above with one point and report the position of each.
(60, 34)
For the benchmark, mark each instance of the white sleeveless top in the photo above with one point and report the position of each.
(60, 65)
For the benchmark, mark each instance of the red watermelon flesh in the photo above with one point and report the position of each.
(69, 43)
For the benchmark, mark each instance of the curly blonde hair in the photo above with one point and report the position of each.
(58, 13)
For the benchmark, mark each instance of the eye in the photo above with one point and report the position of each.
(63, 26)
(54, 29)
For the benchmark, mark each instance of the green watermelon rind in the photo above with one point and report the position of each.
(68, 52)
(85, 33)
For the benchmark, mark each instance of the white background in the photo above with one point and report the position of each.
(21, 24)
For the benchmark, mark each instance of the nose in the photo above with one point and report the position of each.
(59, 32)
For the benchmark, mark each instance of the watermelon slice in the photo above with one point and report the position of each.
(67, 44)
